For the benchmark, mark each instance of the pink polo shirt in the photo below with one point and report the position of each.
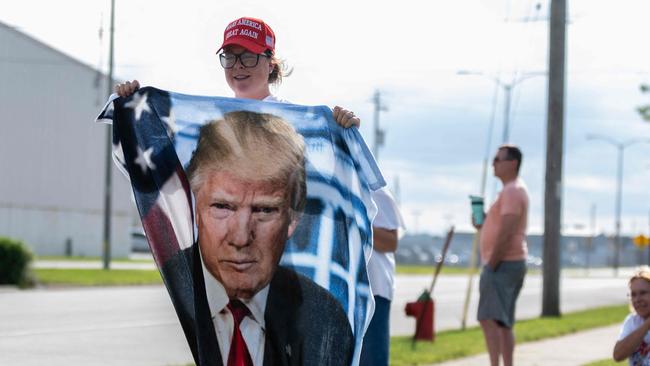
(513, 200)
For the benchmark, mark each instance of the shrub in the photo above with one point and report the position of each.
(14, 262)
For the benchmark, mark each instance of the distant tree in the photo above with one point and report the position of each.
(644, 111)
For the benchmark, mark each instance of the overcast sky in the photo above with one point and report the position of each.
(437, 122)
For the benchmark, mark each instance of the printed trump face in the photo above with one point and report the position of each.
(243, 226)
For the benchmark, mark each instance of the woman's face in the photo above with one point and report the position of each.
(640, 297)
(248, 82)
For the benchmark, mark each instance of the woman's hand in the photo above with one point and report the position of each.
(128, 88)
(345, 118)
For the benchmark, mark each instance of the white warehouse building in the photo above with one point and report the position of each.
(52, 154)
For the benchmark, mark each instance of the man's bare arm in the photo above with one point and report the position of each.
(385, 240)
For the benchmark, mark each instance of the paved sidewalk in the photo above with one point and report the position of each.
(570, 350)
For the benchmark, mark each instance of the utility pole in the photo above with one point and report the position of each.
(379, 133)
(108, 184)
(619, 199)
(507, 91)
(554, 153)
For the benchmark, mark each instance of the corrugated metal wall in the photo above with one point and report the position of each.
(52, 153)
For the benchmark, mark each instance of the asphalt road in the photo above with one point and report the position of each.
(137, 325)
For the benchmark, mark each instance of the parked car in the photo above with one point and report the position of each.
(139, 240)
(534, 261)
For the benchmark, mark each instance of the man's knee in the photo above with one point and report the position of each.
(488, 324)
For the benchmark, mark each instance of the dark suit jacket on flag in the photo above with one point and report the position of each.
(154, 135)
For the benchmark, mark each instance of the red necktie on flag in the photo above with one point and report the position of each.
(238, 355)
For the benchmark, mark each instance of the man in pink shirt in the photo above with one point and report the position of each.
(503, 254)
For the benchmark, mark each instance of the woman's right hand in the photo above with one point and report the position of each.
(128, 88)
(345, 118)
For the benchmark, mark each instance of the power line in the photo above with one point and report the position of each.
(517, 93)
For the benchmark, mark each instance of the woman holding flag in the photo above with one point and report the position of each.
(251, 66)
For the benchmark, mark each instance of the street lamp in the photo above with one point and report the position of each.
(507, 90)
(506, 122)
(620, 146)
(108, 180)
(380, 135)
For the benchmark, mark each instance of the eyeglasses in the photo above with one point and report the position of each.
(634, 294)
(497, 159)
(247, 59)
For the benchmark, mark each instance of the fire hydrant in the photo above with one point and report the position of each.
(422, 310)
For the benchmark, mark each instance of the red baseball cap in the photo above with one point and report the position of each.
(250, 33)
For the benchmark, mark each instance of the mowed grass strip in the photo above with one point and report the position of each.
(96, 277)
(606, 362)
(416, 269)
(76, 258)
(421, 269)
(456, 343)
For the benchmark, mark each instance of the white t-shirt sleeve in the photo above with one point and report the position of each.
(632, 323)
(388, 214)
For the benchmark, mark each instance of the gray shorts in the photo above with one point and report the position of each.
(499, 290)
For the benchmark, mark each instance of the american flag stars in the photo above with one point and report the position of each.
(139, 105)
(144, 160)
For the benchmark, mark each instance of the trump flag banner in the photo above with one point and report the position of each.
(155, 133)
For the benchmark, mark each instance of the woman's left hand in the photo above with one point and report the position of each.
(345, 118)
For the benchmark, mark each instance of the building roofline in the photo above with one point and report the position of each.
(42, 44)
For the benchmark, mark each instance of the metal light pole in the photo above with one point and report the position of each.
(592, 234)
(620, 146)
(507, 90)
(106, 240)
(378, 132)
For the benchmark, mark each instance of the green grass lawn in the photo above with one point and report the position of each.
(90, 277)
(456, 343)
(414, 269)
(76, 258)
(606, 362)
(429, 270)
(96, 277)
